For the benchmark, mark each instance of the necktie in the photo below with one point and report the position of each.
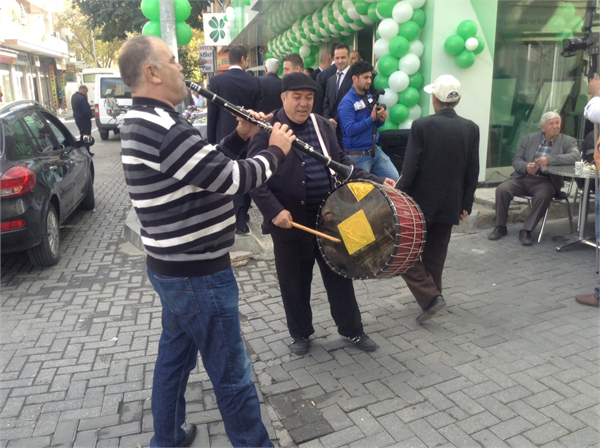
(339, 80)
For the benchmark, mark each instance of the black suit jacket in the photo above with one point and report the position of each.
(316, 73)
(238, 87)
(270, 91)
(333, 95)
(441, 166)
(286, 189)
(324, 76)
(319, 100)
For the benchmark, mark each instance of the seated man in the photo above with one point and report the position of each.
(548, 147)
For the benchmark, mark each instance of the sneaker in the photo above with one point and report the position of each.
(498, 233)
(364, 342)
(299, 346)
(525, 238)
(436, 304)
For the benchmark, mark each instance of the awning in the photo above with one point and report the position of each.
(19, 44)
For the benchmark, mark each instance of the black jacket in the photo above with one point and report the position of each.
(333, 95)
(286, 189)
(270, 90)
(441, 166)
(324, 76)
(81, 107)
(237, 86)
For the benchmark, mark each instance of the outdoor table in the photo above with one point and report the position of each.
(201, 127)
(568, 171)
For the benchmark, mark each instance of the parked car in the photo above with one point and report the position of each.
(111, 102)
(45, 175)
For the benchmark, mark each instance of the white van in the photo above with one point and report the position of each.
(89, 80)
(112, 100)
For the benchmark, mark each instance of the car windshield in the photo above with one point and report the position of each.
(114, 87)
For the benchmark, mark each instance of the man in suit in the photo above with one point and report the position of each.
(243, 90)
(324, 64)
(270, 87)
(539, 149)
(293, 63)
(327, 72)
(440, 172)
(294, 195)
(337, 88)
(355, 56)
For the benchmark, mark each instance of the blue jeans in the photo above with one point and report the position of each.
(201, 314)
(380, 165)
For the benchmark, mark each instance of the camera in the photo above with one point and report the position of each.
(589, 43)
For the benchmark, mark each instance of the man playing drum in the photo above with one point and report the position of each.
(294, 194)
(440, 172)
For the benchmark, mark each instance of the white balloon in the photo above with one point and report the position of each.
(416, 48)
(230, 13)
(415, 3)
(398, 81)
(333, 30)
(346, 33)
(471, 44)
(381, 47)
(353, 13)
(388, 29)
(325, 15)
(402, 12)
(315, 38)
(304, 51)
(230, 24)
(406, 124)
(343, 22)
(414, 112)
(379, 15)
(409, 64)
(366, 20)
(305, 42)
(347, 4)
(389, 98)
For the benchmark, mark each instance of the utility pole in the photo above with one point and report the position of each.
(167, 25)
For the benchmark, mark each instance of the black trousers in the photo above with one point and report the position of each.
(84, 126)
(294, 261)
(424, 279)
(241, 204)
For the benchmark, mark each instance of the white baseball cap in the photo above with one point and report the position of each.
(446, 88)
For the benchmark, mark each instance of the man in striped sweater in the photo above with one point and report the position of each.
(181, 187)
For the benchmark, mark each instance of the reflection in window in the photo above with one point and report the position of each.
(17, 144)
(39, 132)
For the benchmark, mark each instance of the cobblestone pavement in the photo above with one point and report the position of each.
(512, 361)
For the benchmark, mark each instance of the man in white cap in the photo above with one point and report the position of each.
(440, 172)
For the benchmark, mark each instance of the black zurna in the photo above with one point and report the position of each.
(344, 171)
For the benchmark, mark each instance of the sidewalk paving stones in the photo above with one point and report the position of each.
(511, 361)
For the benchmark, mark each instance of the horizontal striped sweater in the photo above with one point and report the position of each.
(181, 188)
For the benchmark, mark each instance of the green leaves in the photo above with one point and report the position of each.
(217, 29)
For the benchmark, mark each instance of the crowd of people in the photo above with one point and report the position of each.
(192, 197)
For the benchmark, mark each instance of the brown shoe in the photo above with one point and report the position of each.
(525, 238)
(498, 233)
(589, 299)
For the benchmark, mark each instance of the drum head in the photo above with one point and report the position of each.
(359, 213)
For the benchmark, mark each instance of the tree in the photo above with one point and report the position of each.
(189, 57)
(117, 18)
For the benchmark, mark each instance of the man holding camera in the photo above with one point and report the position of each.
(359, 117)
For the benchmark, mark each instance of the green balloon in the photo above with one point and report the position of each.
(302, 33)
(566, 34)
(566, 10)
(296, 49)
(466, 29)
(151, 9)
(575, 24)
(385, 7)
(247, 2)
(398, 113)
(309, 61)
(388, 64)
(268, 55)
(314, 50)
(183, 9)
(409, 97)
(465, 59)
(418, 17)
(415, 80)
(410, 30)
(362, 7)
(480, 45)
(381, 82)
(337, 26)
(454, 44)
(556, 24)
(347, 18)
(183, 32)
(388, 126)
(152, 28)
(399, 46)
(372, 12)
(377, 35)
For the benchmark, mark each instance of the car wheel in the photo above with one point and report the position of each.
(47, 252)
(103, 135)
(89, 202)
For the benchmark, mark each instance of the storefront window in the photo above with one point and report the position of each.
(531, 76)
(7, 93)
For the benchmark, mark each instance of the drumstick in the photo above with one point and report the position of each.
(316, 232)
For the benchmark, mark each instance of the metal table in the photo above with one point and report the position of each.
(569, 172)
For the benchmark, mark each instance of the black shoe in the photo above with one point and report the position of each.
(436, 304)
(241, 232)
(498, 233)
(364, 342)
(525, 238)
(190, 435)
(299, 346)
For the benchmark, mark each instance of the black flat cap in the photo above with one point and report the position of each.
(298, 81)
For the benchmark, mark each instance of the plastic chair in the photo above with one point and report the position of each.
(560, 197)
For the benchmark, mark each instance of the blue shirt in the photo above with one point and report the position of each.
(356, 122)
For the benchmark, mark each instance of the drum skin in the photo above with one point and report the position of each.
(395, 220)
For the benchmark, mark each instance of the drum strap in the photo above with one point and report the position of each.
(322, 143)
